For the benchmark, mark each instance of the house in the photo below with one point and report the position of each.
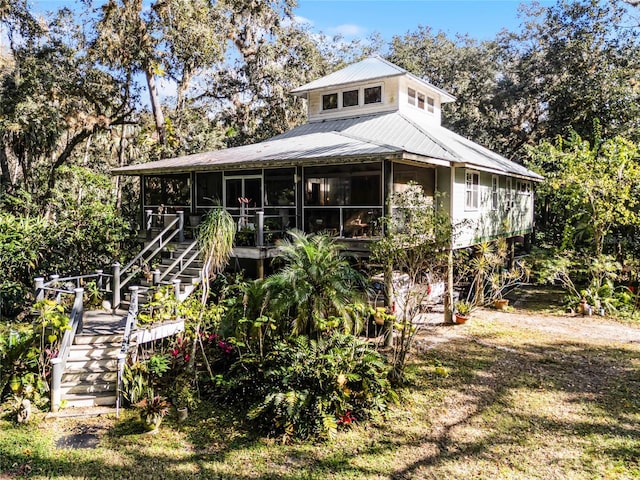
(372, 128)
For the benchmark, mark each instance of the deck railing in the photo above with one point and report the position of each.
(60, 361)
(129, 328)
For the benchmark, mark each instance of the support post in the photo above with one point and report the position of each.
(56, 382)
(181, 226)
(148, 221)
(116, 286)
(99, 282)
(260, 268)
(176, 289)
(260, 229)
(54, 279)
(79, 305)
(156, 277)
(448, 296)
(39, 288)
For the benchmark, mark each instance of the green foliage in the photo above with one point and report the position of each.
(418, 235)
(308, 388)
(588, 188)
(315, 284)
(26, 350)
(162, 307)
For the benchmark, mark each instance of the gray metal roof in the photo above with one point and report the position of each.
(385, 135)
(371, 68)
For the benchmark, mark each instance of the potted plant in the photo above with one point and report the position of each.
(183, 397)
(462, 311)
(152, 411)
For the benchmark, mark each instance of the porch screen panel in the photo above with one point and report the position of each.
(343, 185)
(208, 189)
(403, 174)
(167, 190)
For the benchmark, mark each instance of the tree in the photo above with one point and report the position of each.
(316, 283)
(569, 64)
(54, 99)
(417, 241)
(590, 188)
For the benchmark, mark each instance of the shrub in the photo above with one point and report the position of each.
(308, 388)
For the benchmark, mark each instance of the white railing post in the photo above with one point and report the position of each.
(176, 288)
(54, 279)
(39, 288)
(260, 229)
(116, 286)
(99, 281)
(156, 276)
(181, 226)
(148, 221)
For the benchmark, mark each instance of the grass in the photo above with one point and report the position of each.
(497, 402)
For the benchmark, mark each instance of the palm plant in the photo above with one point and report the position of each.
(215, 239)
(316, 284)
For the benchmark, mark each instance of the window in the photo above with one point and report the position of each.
(350, 98)
(472, 186)
(330, 101)
(343, 185)
(208, 189)
(168, 190)
(431, 105)
(411, 95)
(494, 192)
(523, 188)
(373, 95)
(421, 101)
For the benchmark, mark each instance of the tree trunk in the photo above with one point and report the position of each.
(5, 174)
(156, 107)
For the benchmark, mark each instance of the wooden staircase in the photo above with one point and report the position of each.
(91, 375)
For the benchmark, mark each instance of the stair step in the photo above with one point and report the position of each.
(86, 353)
(97, 339)
(87, 388)
(73, 401)
(92, 366)
(88, 377)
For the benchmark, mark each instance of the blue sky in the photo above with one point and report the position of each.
(481, 19)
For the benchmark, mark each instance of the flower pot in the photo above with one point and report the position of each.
(461, 318)
(501, 303)
(183, 413)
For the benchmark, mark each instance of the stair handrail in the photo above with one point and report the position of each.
(160, 240)
(57, 285)
(181, 261)
(132, 316)
(60, 361)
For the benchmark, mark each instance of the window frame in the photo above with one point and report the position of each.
(471, 190)
(357, 92)
(324, 101)
(371, 87)
(495, 192)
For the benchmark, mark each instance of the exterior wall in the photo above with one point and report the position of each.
(389, 100)
(404, 105)
(512, 217)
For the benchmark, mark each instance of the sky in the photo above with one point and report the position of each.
(481, 19)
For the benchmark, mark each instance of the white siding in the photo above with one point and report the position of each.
(404, 106)
(475, 226)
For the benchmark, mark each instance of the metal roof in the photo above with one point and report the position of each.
(371, 68)
(383, 135)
